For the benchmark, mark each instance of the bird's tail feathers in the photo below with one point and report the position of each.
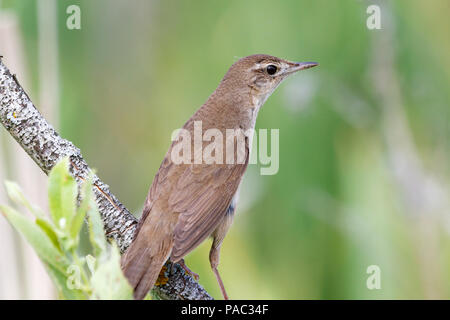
(142, 268)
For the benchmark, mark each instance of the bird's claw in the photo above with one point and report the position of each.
(188, 271)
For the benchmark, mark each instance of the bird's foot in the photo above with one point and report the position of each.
(188, 271)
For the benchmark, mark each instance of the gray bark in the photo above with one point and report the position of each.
(44, 145)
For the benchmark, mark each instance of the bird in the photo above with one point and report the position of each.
(192, 200)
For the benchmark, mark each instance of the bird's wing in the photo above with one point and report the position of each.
(160, 183)
(202, 195)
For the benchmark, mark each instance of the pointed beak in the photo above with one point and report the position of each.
(297, 66)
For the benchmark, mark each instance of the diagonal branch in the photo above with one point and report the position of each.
(44, 145)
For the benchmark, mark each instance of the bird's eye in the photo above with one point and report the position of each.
(271, 69)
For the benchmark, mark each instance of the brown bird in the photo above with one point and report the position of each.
(194, 199)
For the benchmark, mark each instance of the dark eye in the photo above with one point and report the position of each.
(271, 69)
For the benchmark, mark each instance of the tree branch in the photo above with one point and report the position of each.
(44, 145)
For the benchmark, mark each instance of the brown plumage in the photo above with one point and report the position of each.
(188, 202)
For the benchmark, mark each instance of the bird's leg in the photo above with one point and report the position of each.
(189, 271)
(218, 236)
(219, 280)
(214, 255)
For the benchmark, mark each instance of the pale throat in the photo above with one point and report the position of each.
(257, 102)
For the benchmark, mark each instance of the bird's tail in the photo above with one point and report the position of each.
(142, 262)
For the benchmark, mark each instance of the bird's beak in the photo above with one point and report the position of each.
(297, 66)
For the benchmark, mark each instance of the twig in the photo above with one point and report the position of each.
(44, 145)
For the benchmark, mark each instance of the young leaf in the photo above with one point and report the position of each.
(62, 191)
(77, 220)
(96, 231)
(91, 263)
(49, 229)
(62, 281)
(108, 281)
(15, 194)
(37, 238)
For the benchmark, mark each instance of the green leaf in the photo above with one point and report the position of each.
(62, 191)
(91, 263)
(96, 231)
(78, 219)
(62, 281)
(15, 194)
(37, 238)
(50, 231)
(108, 281)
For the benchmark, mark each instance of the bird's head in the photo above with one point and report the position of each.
(262, 74)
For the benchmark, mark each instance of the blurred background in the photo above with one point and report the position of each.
(364, 138)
